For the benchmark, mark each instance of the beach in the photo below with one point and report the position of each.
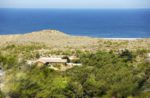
(60, 40)
(122, 39)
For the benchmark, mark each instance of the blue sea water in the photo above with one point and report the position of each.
(106, 23)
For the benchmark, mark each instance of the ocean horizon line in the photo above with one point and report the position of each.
(83, 8)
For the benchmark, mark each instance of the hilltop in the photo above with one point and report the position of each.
(51, 38)
(59, 40)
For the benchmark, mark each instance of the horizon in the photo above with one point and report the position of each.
(84, 8)
(78, 4)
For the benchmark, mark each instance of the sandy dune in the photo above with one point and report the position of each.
(57, 39)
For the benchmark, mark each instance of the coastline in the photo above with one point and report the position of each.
(123, 38)
(56, 31)
(62, 41)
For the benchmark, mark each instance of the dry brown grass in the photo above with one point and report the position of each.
(58, 40)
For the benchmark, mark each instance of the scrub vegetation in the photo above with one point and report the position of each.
(104, 74)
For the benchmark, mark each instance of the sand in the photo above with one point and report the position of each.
(59, 40)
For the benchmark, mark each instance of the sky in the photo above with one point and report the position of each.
(74, 3)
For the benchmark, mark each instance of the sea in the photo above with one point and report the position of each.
(100, 23)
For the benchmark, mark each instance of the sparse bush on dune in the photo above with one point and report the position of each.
(61, 41)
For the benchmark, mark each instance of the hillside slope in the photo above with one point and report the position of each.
(59, 40)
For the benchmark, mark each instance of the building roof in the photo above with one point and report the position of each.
(51, 60)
